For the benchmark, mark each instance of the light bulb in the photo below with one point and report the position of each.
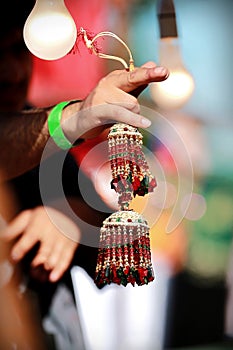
(50, 31)
(176, 90)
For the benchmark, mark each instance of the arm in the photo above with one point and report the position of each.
(22, 140)
(23, 136)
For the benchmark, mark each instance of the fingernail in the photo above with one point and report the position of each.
(53, 277)
(161, 70)
(14, 256)
(145, 122)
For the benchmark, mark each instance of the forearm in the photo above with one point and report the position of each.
(22, 139)
(23, 136)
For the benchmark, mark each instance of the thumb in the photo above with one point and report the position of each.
(149, 64)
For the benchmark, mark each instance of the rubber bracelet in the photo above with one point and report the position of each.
(54, 126)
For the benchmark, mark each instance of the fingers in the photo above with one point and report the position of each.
(91, 120)
(42, 255)
(22, 247)
(129, 81)
(28, 224)
(149, 64)
(136, 92)
(60, 267)
(56, 260)
(126, 101)
(121, 115)
(118, 85)
(53, 274)
(61, 258)
(120, 88)
(142, 76)
(107, 91)
(16, 226)
(55, 251)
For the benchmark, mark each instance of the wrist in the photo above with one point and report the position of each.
(69, 121)
(61, 125)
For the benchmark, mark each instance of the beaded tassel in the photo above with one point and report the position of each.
(124, 253)
(130, 172)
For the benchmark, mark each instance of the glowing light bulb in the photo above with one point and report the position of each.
(176, 90)
(50, 31)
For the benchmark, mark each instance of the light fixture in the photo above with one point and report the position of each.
(50, 31)
(175, 91)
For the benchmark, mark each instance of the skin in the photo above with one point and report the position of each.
(55, 251)
(112, 100)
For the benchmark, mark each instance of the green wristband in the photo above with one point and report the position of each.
(54, 126)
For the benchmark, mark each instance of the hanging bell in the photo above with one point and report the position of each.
(130, 172)
(124, 253)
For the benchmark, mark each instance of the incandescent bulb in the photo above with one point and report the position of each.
(50, 31)
(176, 90)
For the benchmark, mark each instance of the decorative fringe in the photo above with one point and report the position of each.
(124, 252)
(130, 172)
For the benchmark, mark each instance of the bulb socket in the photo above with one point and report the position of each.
(167, 19)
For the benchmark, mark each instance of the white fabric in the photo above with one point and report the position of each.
(122, 318)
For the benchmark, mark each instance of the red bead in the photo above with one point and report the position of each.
(126, 270)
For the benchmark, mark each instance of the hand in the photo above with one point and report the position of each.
(55, 251)
(114, 99)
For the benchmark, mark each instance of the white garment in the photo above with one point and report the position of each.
(123, 318)
(63, 321)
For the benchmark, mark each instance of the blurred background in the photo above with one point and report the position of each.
(189, 147)
(190, 304)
